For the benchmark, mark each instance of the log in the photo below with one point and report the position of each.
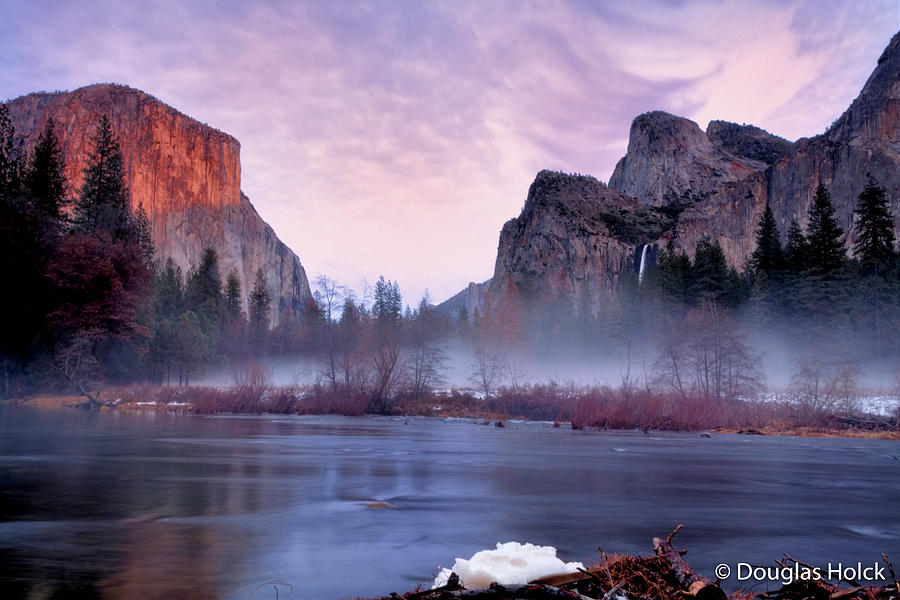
(694, 584)
(528, 591)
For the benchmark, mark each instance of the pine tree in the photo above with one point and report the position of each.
(795, 250)
(874, 229)
(767, 257)
(169, 293)
(102, 205)
(877, 304)
(10, 158)
(824, 236)
(44, 179)
(192, 346)
(709, 272)
(144, 234)
(388, 303)
(674, 269)
(24, 252)
(204, 290)
(233, 297)
(260, 306)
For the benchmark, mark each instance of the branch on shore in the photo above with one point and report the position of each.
(664, 576)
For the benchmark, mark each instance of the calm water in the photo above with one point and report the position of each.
(145, 505)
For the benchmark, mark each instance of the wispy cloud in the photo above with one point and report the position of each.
(397, 137)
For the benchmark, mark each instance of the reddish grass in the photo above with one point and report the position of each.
(592, 407)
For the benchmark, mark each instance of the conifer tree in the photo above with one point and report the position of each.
(144, 235)
(674, 270)
(102, 205)
(169, 293)
(10, 158)
(44, 179)
(260, 306)
(204, 290)
(709, 272)
(767, 257)
(824, 236)
(388, 303)
(877, 305)
(233, 297)
(795, 249)
(874, 229)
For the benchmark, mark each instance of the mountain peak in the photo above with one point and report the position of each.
(874, 116)
(670, 160)
(186, 175)
(892, 51)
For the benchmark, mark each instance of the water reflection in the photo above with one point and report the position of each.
(125, 505)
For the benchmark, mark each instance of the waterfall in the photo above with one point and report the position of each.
(643, 262)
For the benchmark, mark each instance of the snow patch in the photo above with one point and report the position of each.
(510, 564)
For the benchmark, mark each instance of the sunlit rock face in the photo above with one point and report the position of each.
(568, 248)
(186, 174)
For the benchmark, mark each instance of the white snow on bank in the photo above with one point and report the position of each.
(510, 564)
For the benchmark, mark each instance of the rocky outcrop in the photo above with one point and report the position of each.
(473, 298)
(186, 174)
(748, 141)
(864, 140)
(670, 160)
(560, 251)
(678, 184)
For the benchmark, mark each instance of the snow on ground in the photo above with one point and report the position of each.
(510, 564)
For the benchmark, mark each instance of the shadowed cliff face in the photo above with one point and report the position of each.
(865, 139)
(186, 174)
(678, 183)
(671, 161)
(560, 250)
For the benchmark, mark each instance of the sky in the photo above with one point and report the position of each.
(397, 137)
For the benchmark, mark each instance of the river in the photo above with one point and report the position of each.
(159, 505)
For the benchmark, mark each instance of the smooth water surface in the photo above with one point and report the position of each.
(152, 505)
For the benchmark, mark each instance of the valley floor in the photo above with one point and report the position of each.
(576, 408)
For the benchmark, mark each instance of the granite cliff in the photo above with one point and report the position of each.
(677, 183)
(186, 174)
(561, 250)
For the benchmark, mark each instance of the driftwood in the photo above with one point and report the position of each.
(694, 584)
(664, 576)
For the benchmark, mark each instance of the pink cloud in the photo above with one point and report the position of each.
(396, 138)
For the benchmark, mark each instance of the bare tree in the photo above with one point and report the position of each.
(671, 362)
(351, 346)
(708, 354)
(385, 373)
(77, 363)
(820, 388)
(427, 358)
(518, 377)
(252, 382)
(330, 294)
(489, 367)
(426, 364)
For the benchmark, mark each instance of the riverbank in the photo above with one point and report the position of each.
(564, 406)
(664, 575)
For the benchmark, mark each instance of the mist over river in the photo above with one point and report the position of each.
(155, 505)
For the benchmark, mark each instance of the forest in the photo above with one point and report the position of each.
(90, 306)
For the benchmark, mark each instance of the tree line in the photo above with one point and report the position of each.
(88, 301)
(77, 270)
(801, 291)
